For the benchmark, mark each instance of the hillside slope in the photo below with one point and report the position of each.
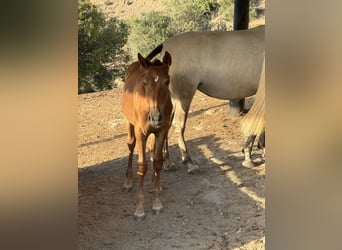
(126, 9)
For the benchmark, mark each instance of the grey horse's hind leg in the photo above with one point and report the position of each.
(236, 106)
(247, 150)
(261, 143)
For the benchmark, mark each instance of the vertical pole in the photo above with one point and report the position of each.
(241, 14)
(241, 20)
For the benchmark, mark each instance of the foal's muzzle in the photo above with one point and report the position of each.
(155, 119)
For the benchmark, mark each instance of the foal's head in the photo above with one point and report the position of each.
(155, 82)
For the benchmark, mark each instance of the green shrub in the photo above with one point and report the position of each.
(146, 32)
(100, 43)
(190, 15)
(226, 9)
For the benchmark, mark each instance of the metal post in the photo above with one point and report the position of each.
(241, 20)
(241, 14)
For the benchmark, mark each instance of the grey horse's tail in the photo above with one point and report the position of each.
(254, 121)
(154, 52)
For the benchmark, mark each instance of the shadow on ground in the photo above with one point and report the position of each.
(221, 206)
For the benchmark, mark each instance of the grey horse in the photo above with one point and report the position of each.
(221, 64)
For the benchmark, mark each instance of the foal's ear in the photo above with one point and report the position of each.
(143, 62)
(167, 58)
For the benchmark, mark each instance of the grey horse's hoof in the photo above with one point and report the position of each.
(168, 165)
(192, 168)
(248, 164)
(171, 167)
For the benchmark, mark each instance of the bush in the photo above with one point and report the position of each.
(226, 9)
(152, 28)
(100, 43)
(191, 15)
(146, 32)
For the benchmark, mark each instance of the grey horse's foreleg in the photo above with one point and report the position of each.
(168, 163)
(181, 114)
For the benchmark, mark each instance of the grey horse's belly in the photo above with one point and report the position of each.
(229, 85)
(227, 90)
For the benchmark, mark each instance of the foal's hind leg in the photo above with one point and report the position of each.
(261, 141)
(248, 150)
(127, 186)
(168, 163)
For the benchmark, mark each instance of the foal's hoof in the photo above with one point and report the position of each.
(248, 164)
(126, 189)
(139, 217)
(157, 211)
(157, 207)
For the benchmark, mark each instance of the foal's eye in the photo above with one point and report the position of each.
(167, 82)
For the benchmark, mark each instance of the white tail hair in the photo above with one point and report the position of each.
(254, 121)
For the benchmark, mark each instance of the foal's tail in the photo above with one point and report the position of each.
(254, 121)
(154, 52)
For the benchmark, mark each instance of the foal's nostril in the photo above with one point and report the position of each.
(160, 117)
(155, 118)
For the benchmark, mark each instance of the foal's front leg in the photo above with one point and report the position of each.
(141, 171)
(128, 184)
(157, 166)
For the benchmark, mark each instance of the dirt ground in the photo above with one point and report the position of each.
(221, 206)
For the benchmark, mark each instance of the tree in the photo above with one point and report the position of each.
(191, 15)
(100, 42)
(152, 28)
(147, 31)
(227, 10)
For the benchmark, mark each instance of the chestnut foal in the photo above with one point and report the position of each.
(147, 106)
